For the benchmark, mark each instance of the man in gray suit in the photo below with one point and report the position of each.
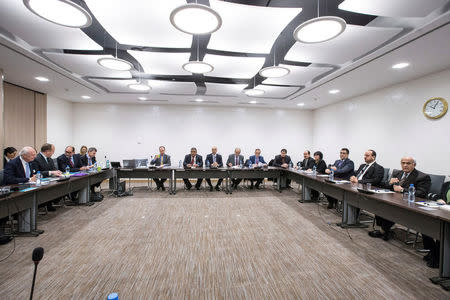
(161, 160)
(235, 159)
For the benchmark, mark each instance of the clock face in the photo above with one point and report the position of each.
(435, 108)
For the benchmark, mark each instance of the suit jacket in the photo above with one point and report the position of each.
(231, 159)
(210, 160)
(374, 174)
(279, 161)
(41, 164)
(321, 166)
(252, 159)
(198, 160)
(63, 162)
(345, 169)
(85, 161)
(421, 181)
(14, 172)
(165, 159)
(308, 163)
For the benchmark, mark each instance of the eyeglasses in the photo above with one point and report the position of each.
(406, 163)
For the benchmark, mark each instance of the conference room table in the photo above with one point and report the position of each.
(25, 202)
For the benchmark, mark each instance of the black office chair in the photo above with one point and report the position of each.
(386, 176)
(446, 192)
(1, 177)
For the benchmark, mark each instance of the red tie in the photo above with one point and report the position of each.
(192, 160)
(71, 163)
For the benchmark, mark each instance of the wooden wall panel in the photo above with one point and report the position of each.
(40, 120)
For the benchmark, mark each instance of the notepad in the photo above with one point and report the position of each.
(28, 189)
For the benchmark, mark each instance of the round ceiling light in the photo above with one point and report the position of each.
(253, 92)
(198, 67)
(139, 87)
(319, 29)
(274, 72)
(195, 18)
(61, 12)
(115, 64)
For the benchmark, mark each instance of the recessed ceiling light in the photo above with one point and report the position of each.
(319, 29)
(195, 18)
(115, 64)
(333, 91)
(300, 104)
(40, 78)
(198, 67)
(142, 98)
(253, 92)
(139, 87)
(400, 65)
(86, 97)
(198, 100)
(61, 12)
(253, 102)
(274, 72)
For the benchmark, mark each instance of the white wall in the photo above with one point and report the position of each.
(391, 122)
(59, 124)
(137, 130)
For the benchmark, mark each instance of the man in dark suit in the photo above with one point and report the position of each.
(71, 160)
(44, 163)
(399, 183)
(193, 161)
(308, 161)
(20, 169)
(214, 160)
(161, 160)
(87, 160)
(283, 161)
(343, 168)
(256, 161)
(233, 160)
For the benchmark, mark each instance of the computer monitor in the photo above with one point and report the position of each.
(129, 163)
(141, 163)
(115, 164)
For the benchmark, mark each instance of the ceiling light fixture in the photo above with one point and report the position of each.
(333, 91)
(400, 65)
(274, 71)
(142, 98)
(42, 79)
(194, 18)
(198, 67)
(61, 12)
(139, 86)
(301, 104)
(115, 63)
(320, 29)
(86, 97)
(254, 92)
(253, 102)
(198, 100)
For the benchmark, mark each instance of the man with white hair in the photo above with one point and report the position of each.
(20, 169)
(399, 183)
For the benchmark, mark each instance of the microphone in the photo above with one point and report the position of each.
(37, 255)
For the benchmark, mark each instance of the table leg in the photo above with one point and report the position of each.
(444, 267)
(306, 192)
(33, 217)
(174, 191)
(25, 223)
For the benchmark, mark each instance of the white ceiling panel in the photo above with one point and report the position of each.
(233, 66)
(390, 8)
(298, 75)
(222, 89)
(140, 22)
(85, 65)
(162, 63)
(276, 91)
(171, 87)
(354, 42)
(116, 86)
(247, 28)
(37, 32)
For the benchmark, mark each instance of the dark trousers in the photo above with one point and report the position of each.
(430, 244)
(258, 181)
(189, 185)
(219, 181)
(159, 182)
(384, 224)
(235, 182)
(331, 200)
(314, 195)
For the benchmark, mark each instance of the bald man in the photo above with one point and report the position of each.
(399, 183)
(20, 169)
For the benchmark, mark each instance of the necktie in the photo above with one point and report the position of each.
(256, 160)
(282, 160)
(27, 170)
(402, 181)
(361, 173)
(237, 161)
(47, 160)
(162, 159)
(192, 160)
(214, 158)
(90, 161)
(71, 162)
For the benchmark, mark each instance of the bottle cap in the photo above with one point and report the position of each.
(411, 184)
(113, 296)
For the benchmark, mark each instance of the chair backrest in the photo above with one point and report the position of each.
(446, 192)
(436, 183)
(55, 161)
(1, 177)
(386, 175)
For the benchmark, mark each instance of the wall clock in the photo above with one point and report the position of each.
(435, 108)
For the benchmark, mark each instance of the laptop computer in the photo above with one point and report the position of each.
(129, 163)
(141, 163)
(115, 164)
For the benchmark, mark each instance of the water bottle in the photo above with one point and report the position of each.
(207, 164)
(411, 193)
(38, 178)
(291, 165)
(331, 176)
(179, 164)
(67, 170)
(107, 162)
(95, 166)
(314, 170)
(241, 164)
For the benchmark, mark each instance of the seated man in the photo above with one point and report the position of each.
(89, 160)
(44, 163)
(283, 160)
(215, 161)
(235, 159)
(343, 168)
(257, 161)
(399, 183)
(68, 159)
(161, 160)
(193, 160)
(308, 161)
(20, 169)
